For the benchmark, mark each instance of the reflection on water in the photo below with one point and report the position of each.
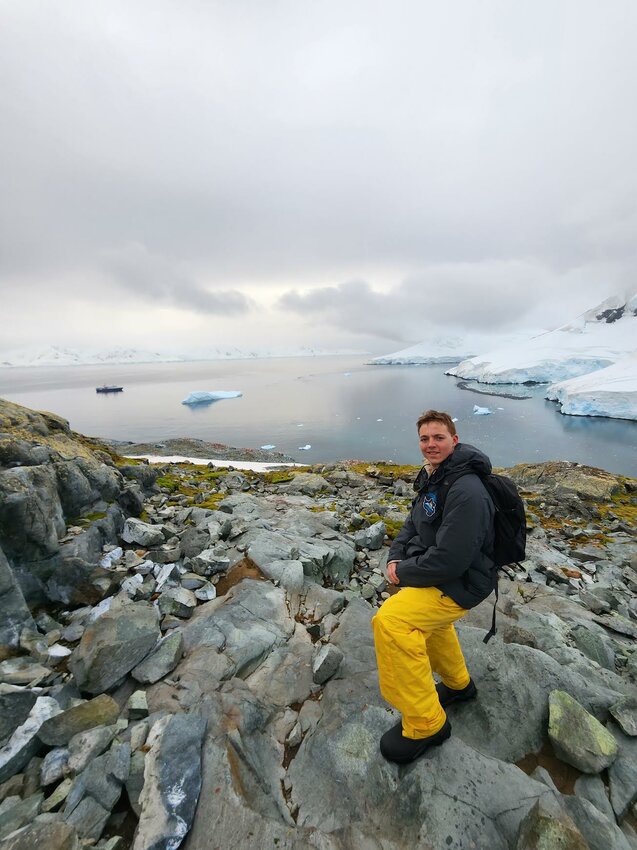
(333, 404)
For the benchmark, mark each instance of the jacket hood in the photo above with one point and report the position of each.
(464, 459)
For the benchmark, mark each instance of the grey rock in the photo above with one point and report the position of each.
(172, 782)
(285, 677)
(52, 836)
(211, 561)
(592, 788)
(546, 827)
(78, 581)
(161, 660)
(625, 713)
(308, 484)
(137, 706)
(54, 765)
(372, 537)
(31, 516)
(246, 624)
(112, 645)
(24, 671)
(15, 706)
(289, 574)
(14, 612)
(89, 818)
(86, 746)
(577, 737)
(178, 602)
(20, 814)
(58, 730)
(595, 645)
(24, 742)
(622, 774)
(96, 790)
(135, 781)
(326, 662)
(142, 533)
(599, 832)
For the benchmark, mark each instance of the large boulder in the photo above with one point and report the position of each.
(14, 612)
(115, 643)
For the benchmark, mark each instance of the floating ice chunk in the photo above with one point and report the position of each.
(203, 397)
(481, 411)
(347, 374)
(305, 448)
(454, 418)
(379, 420)
(300, 425)
(268, 446)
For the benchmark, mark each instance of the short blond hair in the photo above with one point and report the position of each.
(437, 416)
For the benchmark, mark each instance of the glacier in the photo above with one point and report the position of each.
(594, 341)
(203, 397)
(610, 392)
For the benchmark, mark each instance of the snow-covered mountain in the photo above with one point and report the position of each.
(446, 349)
(56, 356)
(608, 392)
(596, 339)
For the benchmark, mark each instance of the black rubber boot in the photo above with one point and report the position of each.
(448, 695)
(395, 747)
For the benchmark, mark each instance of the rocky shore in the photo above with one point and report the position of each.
(186, 660)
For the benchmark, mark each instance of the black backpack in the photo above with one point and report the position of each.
(509, 545)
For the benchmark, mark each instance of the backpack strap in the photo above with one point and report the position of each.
(493, 629)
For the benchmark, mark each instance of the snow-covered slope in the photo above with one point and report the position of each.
(443, 350)
(57, 356)
(609, 392)
(596, 339)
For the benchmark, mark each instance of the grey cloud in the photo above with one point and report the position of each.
(446, 295)
(333, 141)
(153, 277)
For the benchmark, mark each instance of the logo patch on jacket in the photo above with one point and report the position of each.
(429, 504)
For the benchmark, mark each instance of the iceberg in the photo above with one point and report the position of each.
(268, 446)
(305, 448)
(610, 392)
(203, 397)
(481, 411)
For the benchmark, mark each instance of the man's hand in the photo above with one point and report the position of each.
(391, 572)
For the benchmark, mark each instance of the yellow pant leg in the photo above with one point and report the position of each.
(409, 626)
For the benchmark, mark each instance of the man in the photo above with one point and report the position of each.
(442, 563)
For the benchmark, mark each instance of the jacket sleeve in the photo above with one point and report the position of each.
(466, 522)
(399, 546)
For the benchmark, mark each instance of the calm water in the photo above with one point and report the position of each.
(341, 407)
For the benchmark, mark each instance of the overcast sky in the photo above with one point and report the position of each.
(350, 173)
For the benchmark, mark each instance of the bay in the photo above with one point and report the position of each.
(341, 407)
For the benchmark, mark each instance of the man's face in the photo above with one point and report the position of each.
(436, 443)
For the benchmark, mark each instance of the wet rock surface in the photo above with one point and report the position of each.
(198, 669)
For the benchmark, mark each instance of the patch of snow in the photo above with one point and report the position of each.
(204, 397)
(256, 466)
(609, 392)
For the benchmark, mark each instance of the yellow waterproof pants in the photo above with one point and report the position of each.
(414, 635)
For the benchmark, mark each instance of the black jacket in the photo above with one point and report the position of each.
(452, 551)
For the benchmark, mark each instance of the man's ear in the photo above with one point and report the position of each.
(455, 439)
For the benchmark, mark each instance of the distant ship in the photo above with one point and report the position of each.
(111, 389)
